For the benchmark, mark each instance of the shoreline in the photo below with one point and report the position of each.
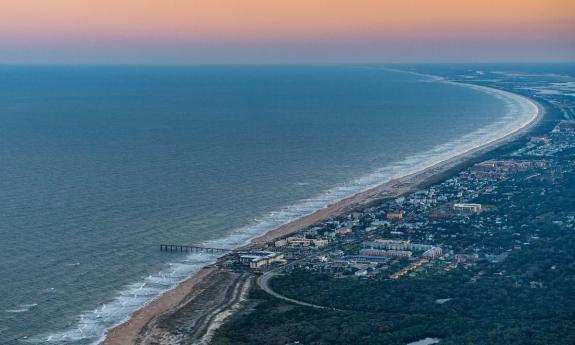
(398, 186)
(129, 330)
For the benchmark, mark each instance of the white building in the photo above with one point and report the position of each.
(433, 252)
(467, 208)
(386, 253)
(301, 242)
(260, 259)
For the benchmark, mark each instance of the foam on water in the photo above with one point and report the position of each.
(91, 325)
(21, 308)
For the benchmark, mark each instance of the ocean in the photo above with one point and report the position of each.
(101, 164)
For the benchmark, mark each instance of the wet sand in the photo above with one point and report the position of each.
(132, 330)
(128, 332)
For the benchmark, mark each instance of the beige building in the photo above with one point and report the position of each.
(343, 231)
(467, 208)
(392, 244)
(300, 242)
(394, 215)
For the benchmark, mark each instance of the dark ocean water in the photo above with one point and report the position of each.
(100, 164)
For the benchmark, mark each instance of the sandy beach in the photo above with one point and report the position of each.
(129, 331)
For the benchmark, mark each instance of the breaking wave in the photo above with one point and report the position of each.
(92, 324)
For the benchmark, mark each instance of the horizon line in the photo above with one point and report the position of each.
(534, 62)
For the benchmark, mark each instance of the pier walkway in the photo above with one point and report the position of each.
(192, 249)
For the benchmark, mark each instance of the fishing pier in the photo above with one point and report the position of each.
(192, 249)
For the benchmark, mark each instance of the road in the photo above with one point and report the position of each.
(264, 279)
(263, 283)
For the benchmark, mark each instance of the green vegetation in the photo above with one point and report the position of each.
(513, 281)
(485, 307)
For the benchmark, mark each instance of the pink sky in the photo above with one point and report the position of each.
(258, 31)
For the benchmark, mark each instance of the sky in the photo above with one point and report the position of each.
(294, 31)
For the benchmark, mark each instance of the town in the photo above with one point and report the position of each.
(478, 253)
(492, 238)
(438, 228)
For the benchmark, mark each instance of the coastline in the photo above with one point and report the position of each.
(404, 184)
(128, 331)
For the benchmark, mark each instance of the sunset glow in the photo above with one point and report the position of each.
(262, 31)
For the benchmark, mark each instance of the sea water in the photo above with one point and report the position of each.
(101, 164)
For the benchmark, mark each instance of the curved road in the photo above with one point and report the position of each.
(263, 283)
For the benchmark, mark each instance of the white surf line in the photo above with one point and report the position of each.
(244, 235)
(96, 327)
(538, 114)
(324, 200)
